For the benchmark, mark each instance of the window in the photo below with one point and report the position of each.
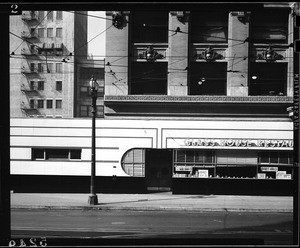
(209, 26)
(58, 104)
(193, 157)
(268, 79)
(49, 32)
(40, 67)
(49, 104)
(40, 85)
(58, 32)
(59, 85)
(58, 15)
(55, 154)
(84, 91)
(59, 67)
(38, 154)
(41, 33)
(32, 85)
(133, 162)
(32, 67)
(151, 26)
(269, 26)
(32, 103)
(86, 111)
(40, 103)
(282, 157)
(75, 154)
(149, 78)
(208, 78)
(50, 67)
(41, 15)
(49, 15)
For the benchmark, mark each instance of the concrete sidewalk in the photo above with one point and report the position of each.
(154, 201)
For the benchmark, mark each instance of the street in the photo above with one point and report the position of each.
(138, 226)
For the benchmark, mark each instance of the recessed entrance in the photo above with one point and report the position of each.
(158, 169)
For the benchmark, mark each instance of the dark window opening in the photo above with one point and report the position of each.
(55, 154)
(208, 78)
(269, 26)
(149, 78)
(208, 26)
(268, 79)
(150, 26)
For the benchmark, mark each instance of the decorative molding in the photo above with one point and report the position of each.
(199, 99)
(159, 52)
(201, 53)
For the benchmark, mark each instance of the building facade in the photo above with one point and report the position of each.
(195, 101)
(45, 46)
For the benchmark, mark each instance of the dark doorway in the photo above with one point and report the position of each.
(158, 169)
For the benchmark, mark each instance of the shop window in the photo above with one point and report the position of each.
(209, 27)
(208, 78)
(55, 154)
(150, 26)
(268, 79)
(275, 165)
(149, 78)
(269, 26)
(86, 111)
(133, 162)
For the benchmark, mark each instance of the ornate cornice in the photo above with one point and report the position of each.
(198, 99)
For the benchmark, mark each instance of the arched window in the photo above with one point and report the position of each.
(133, 162)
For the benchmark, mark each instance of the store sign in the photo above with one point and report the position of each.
(183, 168)
(240, 142)
(269, 168)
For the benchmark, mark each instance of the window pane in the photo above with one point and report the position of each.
(269, 26)
(283, 158)
(209, 26)
(49, 32)
(208, 78)
(75, 154)
(83, 111)
(59, 67)
(208, 157)
(40, 85)
(264, 157)
(150, 26)
(38, 154)
(274, 157)
(149, 78)
(128, 157)
(57, 154)
(58, 85)
(59, 15)
(59, 32)
(40, 103)
(49, 104)
(268, 79)
(190, 156)
(58, 104)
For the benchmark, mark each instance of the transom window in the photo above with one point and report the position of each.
(269, 26)
(150, 26)
(209, 26)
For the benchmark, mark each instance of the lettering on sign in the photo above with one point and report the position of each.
(239, 142)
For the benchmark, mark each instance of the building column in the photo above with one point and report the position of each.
(237, 53)
(178, 53)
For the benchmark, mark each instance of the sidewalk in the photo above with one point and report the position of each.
(153, 201)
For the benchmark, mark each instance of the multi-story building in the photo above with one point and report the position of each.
(196, 101)
(45, 47)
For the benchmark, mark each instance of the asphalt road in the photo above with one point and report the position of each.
(41, 226)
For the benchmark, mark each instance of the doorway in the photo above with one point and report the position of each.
(158, 169)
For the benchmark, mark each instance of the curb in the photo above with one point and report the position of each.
(87, 208)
